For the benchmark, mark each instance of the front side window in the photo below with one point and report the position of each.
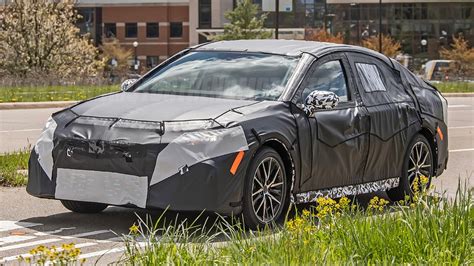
(328, 76)
(131, 30)
(176, 29)
(249, 76)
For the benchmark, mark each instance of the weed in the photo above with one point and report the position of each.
(13, 168)
(423, 230)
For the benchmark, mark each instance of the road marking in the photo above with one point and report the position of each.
(101, 253)
(45, 241)
(13, 239)
(21, 130)
(462, 127)
(107, 251)
(462, 150)
(12, 225)
(27, 255)
(53, 232)
(19, 238)
(458, 106)
(110, 240)
(98, 232)
(29, 244)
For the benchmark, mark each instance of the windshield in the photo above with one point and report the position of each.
(249, 76)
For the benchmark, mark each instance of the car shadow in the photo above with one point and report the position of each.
(118, 220)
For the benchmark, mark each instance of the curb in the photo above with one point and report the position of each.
(36, 105)
(458, 94)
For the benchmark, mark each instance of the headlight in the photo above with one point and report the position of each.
(44, 147)
(183, 126)
(191, 148)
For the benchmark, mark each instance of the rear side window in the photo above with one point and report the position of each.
(370, 77)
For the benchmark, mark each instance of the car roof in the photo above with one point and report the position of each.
(284, 47)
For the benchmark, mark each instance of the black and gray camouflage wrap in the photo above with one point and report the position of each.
(337, 192)
(175, 151)
(320, 100)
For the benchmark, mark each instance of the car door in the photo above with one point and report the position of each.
(338, 137)
(393, 115)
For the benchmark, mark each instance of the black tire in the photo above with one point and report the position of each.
(407, 177)
(270, 188)
(83, 207)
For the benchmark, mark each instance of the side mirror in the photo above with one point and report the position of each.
(127, 84)
(318, 100)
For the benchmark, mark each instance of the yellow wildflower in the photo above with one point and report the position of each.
(134, 229)
(306, 213)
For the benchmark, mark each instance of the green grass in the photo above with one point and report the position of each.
(11, 166)
(433, 231)
(53, 93)
(455, 86)
(76, 93)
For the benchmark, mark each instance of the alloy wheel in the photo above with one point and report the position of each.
(420, 163)
(268, 189)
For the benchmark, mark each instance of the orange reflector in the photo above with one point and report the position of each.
(236, 163)
(440, 133)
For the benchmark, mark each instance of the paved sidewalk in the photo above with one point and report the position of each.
(36, 105)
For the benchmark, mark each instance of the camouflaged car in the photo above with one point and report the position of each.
(246, 128)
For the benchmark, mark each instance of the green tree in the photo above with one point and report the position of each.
(39, 37)
(244, 23)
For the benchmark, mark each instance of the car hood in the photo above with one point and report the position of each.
(156, 107)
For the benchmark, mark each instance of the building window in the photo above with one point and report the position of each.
(152, 30)
(110, 30)
(176, 29)
(85, 22)
(205, 14)
(151, 61)
(131, 30)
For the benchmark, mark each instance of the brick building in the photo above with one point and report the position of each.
(159, 27)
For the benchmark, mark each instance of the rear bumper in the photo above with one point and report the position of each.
(208, 185)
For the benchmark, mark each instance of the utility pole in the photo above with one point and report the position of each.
(277, 15)
(380, 26)
(325, 15)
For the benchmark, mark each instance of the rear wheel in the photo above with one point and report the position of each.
(83, 207)
(418, 165)
(266, 190)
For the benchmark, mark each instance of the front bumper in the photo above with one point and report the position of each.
(208, 185)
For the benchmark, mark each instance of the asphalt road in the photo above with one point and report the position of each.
(26, 222)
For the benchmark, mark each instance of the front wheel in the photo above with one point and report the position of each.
(83, 207)
(266, 190)
(417, 169)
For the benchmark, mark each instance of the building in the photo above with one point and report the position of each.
(163, 27)
(158, 28)
(421, 26)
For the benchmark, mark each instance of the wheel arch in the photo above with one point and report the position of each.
(286, 157)
(431, 137)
